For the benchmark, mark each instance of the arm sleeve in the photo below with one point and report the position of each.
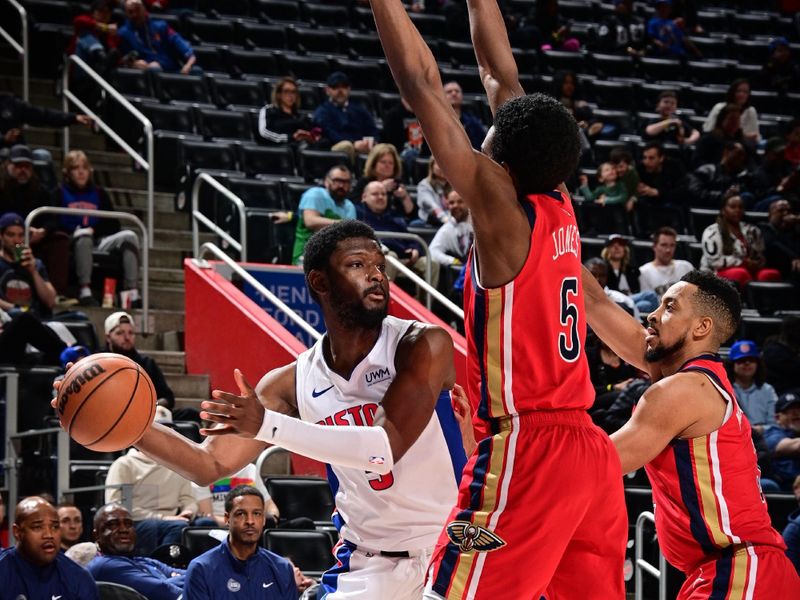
(442, 244)
(186, 500)
(159, 382)
(195, 585)
(180, 45)
(153, 587)
(43, 117)
(116, 475)
(264, 123)
(587, 193)
(712, 250)
(772, 399)
(329, 122)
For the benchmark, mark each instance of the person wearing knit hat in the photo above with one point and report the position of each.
(756, 397)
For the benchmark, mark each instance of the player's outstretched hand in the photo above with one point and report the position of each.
(463, 412)
(241, 415)
(57, 385)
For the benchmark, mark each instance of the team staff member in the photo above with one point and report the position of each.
(36, 568)
(238, 564)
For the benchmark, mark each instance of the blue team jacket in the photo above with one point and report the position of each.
(148, 576)
(218, 574)
(62, 579)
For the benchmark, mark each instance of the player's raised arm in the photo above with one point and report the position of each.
(502, 231)
(496, 64)
(618, 329)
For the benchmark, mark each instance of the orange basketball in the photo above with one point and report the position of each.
(106, 402)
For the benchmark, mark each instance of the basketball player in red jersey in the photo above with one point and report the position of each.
(543, 492)
(694, 441)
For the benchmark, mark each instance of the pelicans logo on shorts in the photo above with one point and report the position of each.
(471, 537)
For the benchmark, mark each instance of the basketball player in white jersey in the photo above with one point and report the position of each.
(370, 399)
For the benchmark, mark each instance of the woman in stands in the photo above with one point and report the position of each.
(734, 249)
(431, 196)
(567, 91)
(738, 94)
(282, 122)
(384, 165)
(727, 128)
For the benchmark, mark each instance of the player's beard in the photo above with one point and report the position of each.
(660, 353)
(355, 314)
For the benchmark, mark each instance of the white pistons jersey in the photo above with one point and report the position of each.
(405, 509)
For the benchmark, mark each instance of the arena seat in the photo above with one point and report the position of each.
(364, 75)
(297, 497)
(168, 118)
(591, 247)
(207, 155)
(314, 164)
(559, 60)
(186, 88)
(272, 160)
(753, 24)
(306, 39)
(257, 36)
(700, 218)
(117, 591)
(708, 73)
(167, 146)
(198, 539)
(758, 329)
(780, 507)
(769, 298)
(314, 68)
(252, 63)
(661, 69)
(256, 193)
(230, 8)
(711, 48)
(612, 65)
(311, 551)
(434, 26)
(277, 10)
(214, 31)
(325, 15)
(132, 82)
(652, 215)
(234, 92)
(209, 57)
(704, 97)
(292, 193)
(615, 95)
(356, 44)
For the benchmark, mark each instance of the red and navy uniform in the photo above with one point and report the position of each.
(543, 492)
(711, 516)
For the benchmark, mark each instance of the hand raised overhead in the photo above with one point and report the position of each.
(240, 415)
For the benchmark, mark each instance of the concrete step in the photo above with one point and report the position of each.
(11, 80)
(181, 240)
(135, 198)
(168, 277)
(189, 386)
(167, 298)
(169, 258)
(123, 178)
(176, 221)
(80, 137)
(100, 158)
(170, 362)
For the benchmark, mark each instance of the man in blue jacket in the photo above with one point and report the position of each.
(155, 44)
(116, 538)
(35, 567)
(238, 564)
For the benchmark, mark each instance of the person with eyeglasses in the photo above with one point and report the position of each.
(281, 121)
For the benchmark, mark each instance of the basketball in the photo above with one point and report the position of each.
(106, 402)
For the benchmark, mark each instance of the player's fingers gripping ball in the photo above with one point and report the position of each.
(106, 402)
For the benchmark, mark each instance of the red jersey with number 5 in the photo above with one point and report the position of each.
(526, 338)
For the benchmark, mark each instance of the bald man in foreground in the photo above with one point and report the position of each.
(35, 568)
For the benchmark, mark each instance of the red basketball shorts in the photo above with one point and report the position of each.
(541, 512)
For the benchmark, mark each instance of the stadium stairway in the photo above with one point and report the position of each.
(172, 237)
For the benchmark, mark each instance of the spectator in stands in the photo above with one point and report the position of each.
(15, 113)
(281, 121)
(152, 44)
(619, 413)
(623, 275)
(622, 32)
(781, 72)
(432, 196)
(402, 130)
(735, 249)
(599, 270)
(781, 355)
(163, 502)
(35, 568)
(21, 192)
(663, 179)
(567, 91)
(115, 534)
(384, 165)
(671, 126)
(665, 37)
(374, 210)
(95, 40)
(709, 183)
(71, 523)
(663, 271)
(88, 232)
(774, 177)
(120, 331)
(554, 30)
(791, 533)
(238, 564)
(609, 373)
(610, 192)
(24, 284)
(453, 240)
(792, 151)
(783, 439)
(756, 397)
(738, 94)
(23, 329)
(348, 126)
(622, 159)
(782, 240)
(476, 130)
(322, 205)
(211, 498)
(727, 129)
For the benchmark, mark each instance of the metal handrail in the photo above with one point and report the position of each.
(209, 248)
(641, 566)
(107, 214)
(241, 208)
(21, 49)
(431, 291)
(147, 164)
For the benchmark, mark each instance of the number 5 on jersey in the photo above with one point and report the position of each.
(569, 342)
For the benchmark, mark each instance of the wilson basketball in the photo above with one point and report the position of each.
(106, 402)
